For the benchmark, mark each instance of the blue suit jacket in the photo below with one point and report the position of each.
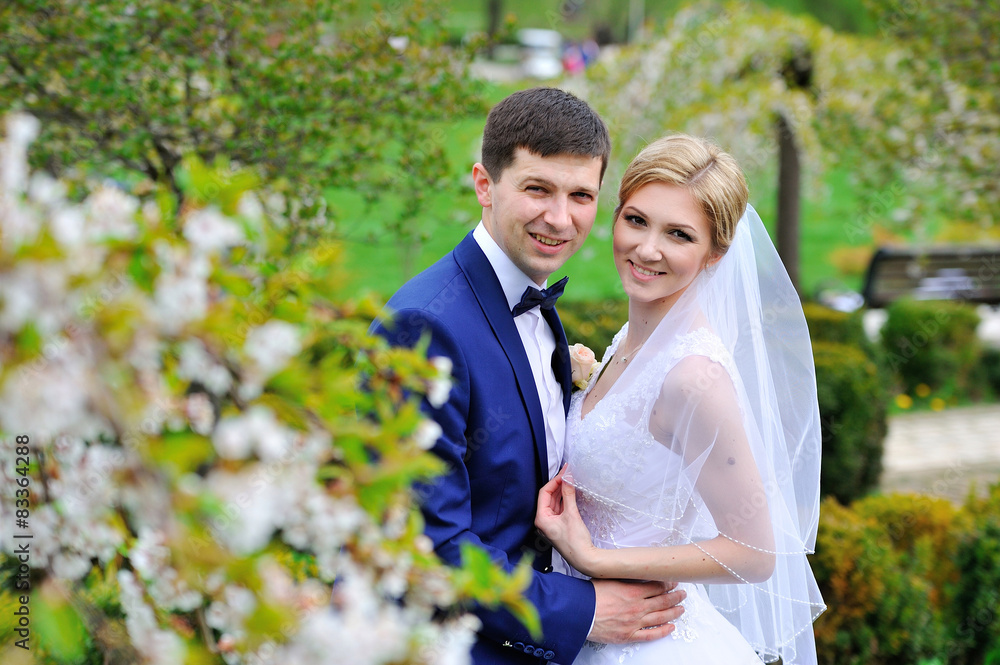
(494, 445)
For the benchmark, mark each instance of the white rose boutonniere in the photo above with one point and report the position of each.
(582, 360)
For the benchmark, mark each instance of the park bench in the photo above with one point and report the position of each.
(947, 272)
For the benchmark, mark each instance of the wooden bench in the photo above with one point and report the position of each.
(946, 272)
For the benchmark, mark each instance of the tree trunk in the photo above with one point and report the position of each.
(494, 13)
(789, 206)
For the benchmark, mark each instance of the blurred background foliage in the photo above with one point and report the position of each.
(357, 123)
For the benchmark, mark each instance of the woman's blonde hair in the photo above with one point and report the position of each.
(712, 176)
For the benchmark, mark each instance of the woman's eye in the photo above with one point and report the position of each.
(635, 219)
(682, 235)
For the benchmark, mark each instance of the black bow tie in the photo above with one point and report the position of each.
(544, 298)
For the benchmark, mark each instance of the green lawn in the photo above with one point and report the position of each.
(375, 262)
(470, 15)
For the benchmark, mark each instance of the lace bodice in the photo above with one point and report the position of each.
(636, 490)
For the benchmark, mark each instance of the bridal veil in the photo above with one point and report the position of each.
(714, 430)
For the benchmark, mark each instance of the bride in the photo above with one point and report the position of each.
(693, 454)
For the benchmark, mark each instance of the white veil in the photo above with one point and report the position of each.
(727, 373)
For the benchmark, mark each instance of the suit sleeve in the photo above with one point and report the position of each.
(565, 605)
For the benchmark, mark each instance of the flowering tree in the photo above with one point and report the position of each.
(732, 71)
(958, 38)
(189, 472)
(320, 94)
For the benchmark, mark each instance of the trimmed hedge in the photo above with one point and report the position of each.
(909, 579)
(853, 402)
(975, 627)
(593, 324)
(933, 343)
(831, 325)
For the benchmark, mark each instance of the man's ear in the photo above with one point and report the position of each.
(483, 184)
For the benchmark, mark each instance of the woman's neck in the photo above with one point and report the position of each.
(643, 317)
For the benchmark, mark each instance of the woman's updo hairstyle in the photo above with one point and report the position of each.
(712, 176)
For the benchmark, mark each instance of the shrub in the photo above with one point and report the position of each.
(877, 564)
(909, 579)
(987, 371)
(853, 403)
(975, 611)
(593, 324)
(929, 342)
(830, 325)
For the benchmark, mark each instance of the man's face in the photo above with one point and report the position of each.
(541, 210)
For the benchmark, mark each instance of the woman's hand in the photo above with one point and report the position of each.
(558, 518)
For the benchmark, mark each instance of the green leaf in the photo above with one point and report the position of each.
(60, 630)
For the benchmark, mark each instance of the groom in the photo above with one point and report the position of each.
(544, 154)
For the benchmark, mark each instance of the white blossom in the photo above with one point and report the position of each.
(197, 364)
(17, 225)
(232, 438)
(272, 345)
(251, 510)
(181, 291)
(36, 292)
(22, 129)
(440, 386)
(258, 431)
(250, 207)
(209, 230)
(427, 434)
(111, 214)
(64, 378)
(102, 392)
(157, 646)
(46, 190)
(67, 226)
(70, 566)
(200, 413)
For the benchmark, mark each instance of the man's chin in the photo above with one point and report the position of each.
(542, 270)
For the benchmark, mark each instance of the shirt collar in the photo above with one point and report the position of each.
(512, 280)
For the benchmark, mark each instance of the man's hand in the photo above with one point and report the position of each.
(634, 611)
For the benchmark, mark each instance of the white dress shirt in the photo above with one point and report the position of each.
(539, 344)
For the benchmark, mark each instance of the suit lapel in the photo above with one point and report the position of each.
(489, 293)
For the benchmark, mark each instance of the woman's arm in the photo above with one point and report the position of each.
(718, 560)
(698, 403)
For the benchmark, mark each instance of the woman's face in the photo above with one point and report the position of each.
(662, 241)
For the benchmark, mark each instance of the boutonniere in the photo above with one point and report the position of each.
(582, 360)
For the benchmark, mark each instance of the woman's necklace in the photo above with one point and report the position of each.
(625, 356)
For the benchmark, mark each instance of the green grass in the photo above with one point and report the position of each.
(376, 264)
(470, 15)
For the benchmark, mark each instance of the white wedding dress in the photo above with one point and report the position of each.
(711, 434)
(607, 456)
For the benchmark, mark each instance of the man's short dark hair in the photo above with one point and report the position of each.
(545, 122)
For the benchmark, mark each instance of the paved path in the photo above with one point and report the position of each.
(944, 452)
